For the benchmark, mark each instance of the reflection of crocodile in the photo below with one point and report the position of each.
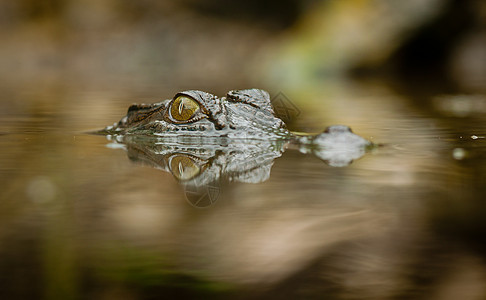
(203, 168)
(202, 139)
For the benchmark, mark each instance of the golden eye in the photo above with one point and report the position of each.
(183, 167)
(183, 108)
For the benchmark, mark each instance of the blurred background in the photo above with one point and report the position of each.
(78, 220)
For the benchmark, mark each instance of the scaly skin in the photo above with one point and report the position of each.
(245, 114)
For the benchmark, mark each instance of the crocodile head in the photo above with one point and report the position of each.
(240, 114)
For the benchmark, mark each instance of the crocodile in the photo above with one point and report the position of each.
(196, 116)
(202, 139)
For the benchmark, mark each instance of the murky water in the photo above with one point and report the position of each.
(80, 219)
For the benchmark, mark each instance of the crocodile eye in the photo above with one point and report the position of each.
(183, 108)
(183, 167)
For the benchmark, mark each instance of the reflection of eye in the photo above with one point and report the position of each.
(183, 108)
(183, 167)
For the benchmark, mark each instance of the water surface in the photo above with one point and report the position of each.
(79, 219)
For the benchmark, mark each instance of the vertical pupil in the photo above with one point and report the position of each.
(181, 107)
